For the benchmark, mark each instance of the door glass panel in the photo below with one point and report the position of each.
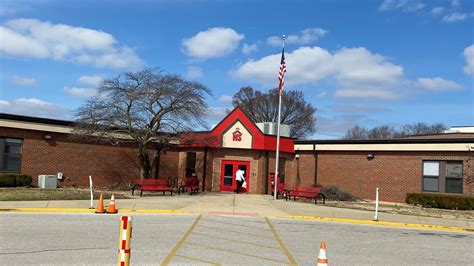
(228, 173)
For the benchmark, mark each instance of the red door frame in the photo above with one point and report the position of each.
(235, 164)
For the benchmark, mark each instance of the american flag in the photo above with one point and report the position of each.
(281, 75)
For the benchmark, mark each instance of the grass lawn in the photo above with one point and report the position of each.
(23, 194)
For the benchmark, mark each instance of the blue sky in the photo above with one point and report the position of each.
(359, 62)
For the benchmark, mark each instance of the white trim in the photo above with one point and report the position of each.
(35, 126)
(388, 147)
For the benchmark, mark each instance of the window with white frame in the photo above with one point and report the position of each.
(10, 154)
(443, 176)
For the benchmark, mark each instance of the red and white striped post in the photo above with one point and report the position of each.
(124, 241)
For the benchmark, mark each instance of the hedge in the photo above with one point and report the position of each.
(15, 180)
(441, 201)
(335, 193)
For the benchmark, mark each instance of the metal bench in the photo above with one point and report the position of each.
(151, 185)
(306, 192)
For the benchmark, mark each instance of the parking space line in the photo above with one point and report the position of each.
(235, 252)
(180, 243)
(196, 259)
(236, 241)
(282, 244)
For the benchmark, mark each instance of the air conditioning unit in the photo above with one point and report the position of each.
(270, 128)
(48, 181)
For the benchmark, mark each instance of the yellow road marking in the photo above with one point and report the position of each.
(235, 241)
(391, 224)
(235, 252)
(282, 244)
(200, 260)
(180, 243)
(72, 210)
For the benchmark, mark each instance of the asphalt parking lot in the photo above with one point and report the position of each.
(185, 239)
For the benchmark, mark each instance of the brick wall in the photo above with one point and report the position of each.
(109, 166)
(395, 173)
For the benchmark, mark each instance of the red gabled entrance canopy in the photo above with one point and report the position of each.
(213, 138)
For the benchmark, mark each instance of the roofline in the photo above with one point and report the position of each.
(384, 141)
(40, 120)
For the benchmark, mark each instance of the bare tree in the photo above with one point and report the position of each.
(263, 107)
(388, 132)
(147, 108)
(381, 132)
(356, 132)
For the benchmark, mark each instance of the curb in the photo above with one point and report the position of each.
(381, 223)
(69, 210)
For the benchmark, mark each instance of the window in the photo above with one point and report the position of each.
(431, 176)
(454, 177)
(10, 156)
(190, 164)
(442, 176)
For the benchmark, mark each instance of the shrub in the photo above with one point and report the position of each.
(15, 180)
(316, 185)
(441, 201)
(22, 180)
(334, 193)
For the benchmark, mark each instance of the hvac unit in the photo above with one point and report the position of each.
(270, 128)
(47, 181)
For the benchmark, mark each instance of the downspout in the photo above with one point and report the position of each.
(315, 164)
(267, 162)
(205, 170)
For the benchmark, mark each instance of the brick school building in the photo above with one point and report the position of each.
(438, 163)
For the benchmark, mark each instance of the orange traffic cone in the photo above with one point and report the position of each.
(100, 207)
(322, 259)
(111, 208)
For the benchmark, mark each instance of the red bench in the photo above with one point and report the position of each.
(306, 192)
(281, 190)
(189, 184)
(151, 185)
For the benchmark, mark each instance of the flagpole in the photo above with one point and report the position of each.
(277, 159)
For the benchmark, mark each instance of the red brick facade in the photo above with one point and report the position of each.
(395, 173)
(109, 166)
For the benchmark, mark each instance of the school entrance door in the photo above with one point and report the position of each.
(228, 182)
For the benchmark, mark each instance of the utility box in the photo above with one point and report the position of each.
(48, 181)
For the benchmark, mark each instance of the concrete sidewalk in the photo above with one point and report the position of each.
(241, 204)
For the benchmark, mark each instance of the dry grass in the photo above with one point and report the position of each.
(401, 208)
(25, 194)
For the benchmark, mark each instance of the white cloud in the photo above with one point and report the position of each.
(225, 99)
(34, 107)
(469, 56)
(194, 72)
(437, 84)
(22, 81)
(360, 108)
(436, 11)
(353, 69)
(456, 16)
(80, 92)
(212, 43)
(90, 80)
(404, 5)
(32, 38)
(364, 93)
(249, 48)
(321, 94)
(306, 36)
(455, 3)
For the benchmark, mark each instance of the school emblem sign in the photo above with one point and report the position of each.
(237, 135)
